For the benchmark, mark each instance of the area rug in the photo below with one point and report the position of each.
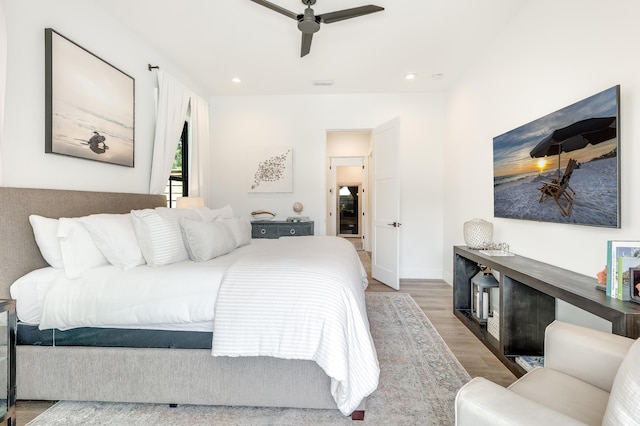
(419, 378)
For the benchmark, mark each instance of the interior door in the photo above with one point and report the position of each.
(386, 204)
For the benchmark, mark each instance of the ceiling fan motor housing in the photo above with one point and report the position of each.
(308, 23)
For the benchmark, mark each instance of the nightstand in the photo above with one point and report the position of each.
(8, 361)
(277, 229)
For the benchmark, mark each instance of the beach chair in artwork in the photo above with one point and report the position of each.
(560, 190)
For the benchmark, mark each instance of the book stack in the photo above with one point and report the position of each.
(623, 269)
(530, 362)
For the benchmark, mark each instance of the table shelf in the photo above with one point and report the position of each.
(528, 293)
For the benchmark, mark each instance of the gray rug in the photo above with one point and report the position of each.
(419, 378)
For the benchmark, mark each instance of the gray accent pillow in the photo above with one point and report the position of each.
(206, 240)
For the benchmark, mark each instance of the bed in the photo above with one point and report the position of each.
(229, 371)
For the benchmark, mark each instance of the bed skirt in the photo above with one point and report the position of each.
(172, 376)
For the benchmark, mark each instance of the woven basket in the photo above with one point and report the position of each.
(478, 233)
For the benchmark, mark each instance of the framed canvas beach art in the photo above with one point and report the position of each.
(89, 104)
(563, 167)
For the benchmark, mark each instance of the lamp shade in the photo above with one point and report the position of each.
(189, 202)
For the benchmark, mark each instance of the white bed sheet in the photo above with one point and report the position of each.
(143, 297)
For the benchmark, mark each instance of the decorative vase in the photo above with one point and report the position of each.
(478, 233)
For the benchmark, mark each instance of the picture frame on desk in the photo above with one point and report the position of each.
(634, 284)
(620, 256)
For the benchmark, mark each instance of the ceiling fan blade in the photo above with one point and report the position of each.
(277, 8)
(328, 18)
(306, 44)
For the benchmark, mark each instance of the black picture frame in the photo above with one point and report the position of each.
(634, 279)
(89, 104)
(563, 167)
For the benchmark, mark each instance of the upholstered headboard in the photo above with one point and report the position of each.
(19, 252)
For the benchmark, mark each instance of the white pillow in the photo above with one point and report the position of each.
(206, 240)
(29, 291)
(79, 252)
(46, 232)
(225, 212)
(159, 235)
(622, 408)
(116, 238)
(241, 230)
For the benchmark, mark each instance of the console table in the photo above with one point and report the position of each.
(528, 293)
(277, 229)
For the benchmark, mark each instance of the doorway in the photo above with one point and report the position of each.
(349, 208)
(356, 148)
(347, 199)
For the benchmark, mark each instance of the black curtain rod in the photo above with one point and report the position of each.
(151, 67)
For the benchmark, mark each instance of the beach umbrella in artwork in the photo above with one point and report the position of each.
(576, 136)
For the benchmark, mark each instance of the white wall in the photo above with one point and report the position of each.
(348, 143)
(552, 55)
(302, 122)
(349, 175)
(24, 163)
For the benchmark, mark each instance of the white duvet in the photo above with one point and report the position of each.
(301, 301)
(292, 298)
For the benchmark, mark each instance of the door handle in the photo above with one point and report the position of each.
(395, 224)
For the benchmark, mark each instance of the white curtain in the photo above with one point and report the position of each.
(199, 147)
(173, 100)
(3, 78)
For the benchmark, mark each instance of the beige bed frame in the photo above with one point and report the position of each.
(173, 376)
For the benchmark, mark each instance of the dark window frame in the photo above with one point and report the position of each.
(184, 173)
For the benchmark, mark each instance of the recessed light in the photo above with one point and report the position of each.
(322, 82)
(437, 76)
(410, 76)
(236, 80)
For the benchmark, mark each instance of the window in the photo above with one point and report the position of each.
(178, 184)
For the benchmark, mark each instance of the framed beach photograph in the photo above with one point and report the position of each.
(563, 167)
(90, 109)
(634, 288)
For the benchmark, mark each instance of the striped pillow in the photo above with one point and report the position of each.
(159, 235)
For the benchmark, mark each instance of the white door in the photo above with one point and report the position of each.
(386, 204)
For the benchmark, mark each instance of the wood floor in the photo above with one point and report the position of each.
(435, 298)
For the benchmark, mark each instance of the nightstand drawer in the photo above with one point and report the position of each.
(263, 230)
(277, 229)
(293, 229)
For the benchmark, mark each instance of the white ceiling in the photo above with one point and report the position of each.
(215, 40)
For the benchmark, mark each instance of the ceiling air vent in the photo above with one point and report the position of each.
(322, 82)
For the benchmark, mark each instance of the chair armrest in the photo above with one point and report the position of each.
(484, 403)
(589, 355)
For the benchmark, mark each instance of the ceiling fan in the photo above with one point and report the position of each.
(309, 23)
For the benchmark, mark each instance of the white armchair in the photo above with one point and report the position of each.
(589, 377)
